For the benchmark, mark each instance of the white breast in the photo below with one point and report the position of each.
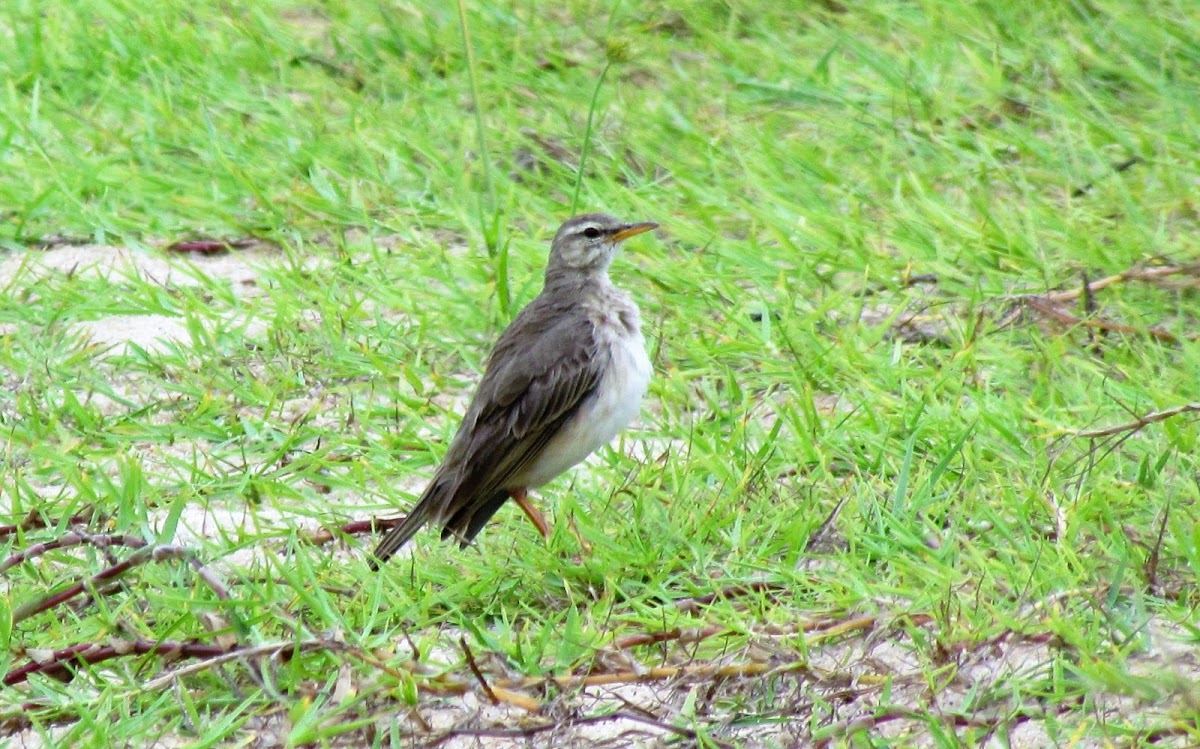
(617, 400)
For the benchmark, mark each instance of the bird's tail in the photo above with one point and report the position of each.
(398, 536)
(465, 524)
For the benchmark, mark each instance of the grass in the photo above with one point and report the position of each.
(804, 162)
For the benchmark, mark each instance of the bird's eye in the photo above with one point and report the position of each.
(591, 232)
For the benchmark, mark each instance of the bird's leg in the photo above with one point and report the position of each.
(522, 499)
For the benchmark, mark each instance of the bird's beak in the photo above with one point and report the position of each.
(632, 230)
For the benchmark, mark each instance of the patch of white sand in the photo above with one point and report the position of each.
(240, 267)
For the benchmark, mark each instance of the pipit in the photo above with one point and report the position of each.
(564, 378)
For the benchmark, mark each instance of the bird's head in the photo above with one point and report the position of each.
(587, 243)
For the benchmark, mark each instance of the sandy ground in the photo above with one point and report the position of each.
(844, 681)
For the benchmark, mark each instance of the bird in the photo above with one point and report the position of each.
(563, 379)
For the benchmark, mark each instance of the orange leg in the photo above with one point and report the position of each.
(522, 499)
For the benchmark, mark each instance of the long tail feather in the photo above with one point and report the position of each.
(465, 524)
(400, 535)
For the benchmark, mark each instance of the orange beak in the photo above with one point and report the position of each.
(632, 230)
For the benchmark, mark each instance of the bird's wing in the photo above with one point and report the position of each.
(545, 364)
(543, 367)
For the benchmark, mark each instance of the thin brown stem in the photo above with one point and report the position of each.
(67, 541)
(354, 528)
(1048, 310)
(1139, 423)
(34, 520)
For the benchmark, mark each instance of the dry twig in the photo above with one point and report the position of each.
(145, 553)
(694, 603)
(662, 673)
(848, 728)
(355, 528)
(34, 521)
(689, 634)
(1139, 423)
(240, 652)
(1049, 304)
(1117, 168)
(1049, 310)
(528, 732)
(58, 663)
(487, 689)
(210, 246)
(75, 538)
